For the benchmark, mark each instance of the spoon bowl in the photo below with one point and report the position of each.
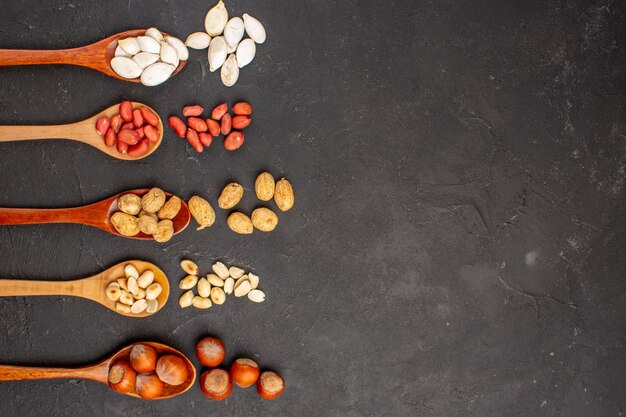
(92, 288)
(96, 56)
(100, 371)
(83, 131)
(96, 215)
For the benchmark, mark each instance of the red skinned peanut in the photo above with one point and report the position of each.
(234, 140)
(219, 111)
(226, 124)
(126, 111)
(177, 126)
(239, 122)
(242, 109)
(194, 110)
(129, 137)
(102, 125)
(139, 149)
(149, 116)
(213, 126)
(197, 124)
(194, 140)
(110, 138)
(151, 133)
(206, 139)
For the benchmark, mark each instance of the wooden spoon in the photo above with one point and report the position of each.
(92, 288)
(83, 131)
(96, 56)
(100, 372)
(96, 215)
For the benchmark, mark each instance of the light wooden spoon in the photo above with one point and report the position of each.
(83, 131)
(92, 288)
(100, 371)
(95, 56)
(96, 215)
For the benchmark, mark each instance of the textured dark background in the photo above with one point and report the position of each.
(457, 244)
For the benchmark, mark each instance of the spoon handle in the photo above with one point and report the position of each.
(87, 215)
(82, 56)
(23, 287)
(19, 373)
(75, 131)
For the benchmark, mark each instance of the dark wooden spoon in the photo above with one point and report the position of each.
(100, 371)
(96, 215)
(95, 56)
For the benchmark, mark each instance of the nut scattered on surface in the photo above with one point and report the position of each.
(231, 195)
(229, 285)
(240, 223)
(204, 288)
(243, 289)
(235, 272)
(264, 219)
(201, 302)
(188, 282)
(186, 299)
(201, 211)
(221, 270)
(254, 280)
(283, 195)
(215, 280)
(189, 267)
(217, 295)
(264, 186)
(257, 296)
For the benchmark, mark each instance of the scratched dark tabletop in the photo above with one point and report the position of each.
(457, 243)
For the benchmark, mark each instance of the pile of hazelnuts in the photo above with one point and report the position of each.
(147, 374)
(217, 383)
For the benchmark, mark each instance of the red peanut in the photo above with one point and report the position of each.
(137, 118)
(206, 139)
(140, 132)
(109, 138)
(239, 122)
(194, 110)
(151, 133)
(116, 123)
(122, 147)
(126, 111)
(197, 124)
(242, 109)
(139, 150)
(219, 111)
(234, 140)
(227, 121)
(149, 116)
(194, 140)
(129, 137)
(213, 126)
(102, 125)
(129, 126)
(177, 126)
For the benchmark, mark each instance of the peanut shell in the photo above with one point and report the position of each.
(147, 225)
(283, 195)
(231, 195)
(239, 223)
(153, 200)
(170, 209)
(165, 230)
(129, 204)
(264, 186)
(264, 219)
(201, 211)
(125, 224)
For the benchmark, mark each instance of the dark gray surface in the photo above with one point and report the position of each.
(456, 248)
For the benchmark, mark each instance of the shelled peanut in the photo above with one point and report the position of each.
(150, 214)
(132, 131)
(213, 288)
(146, 373)
(199, 132)
(134, 293)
